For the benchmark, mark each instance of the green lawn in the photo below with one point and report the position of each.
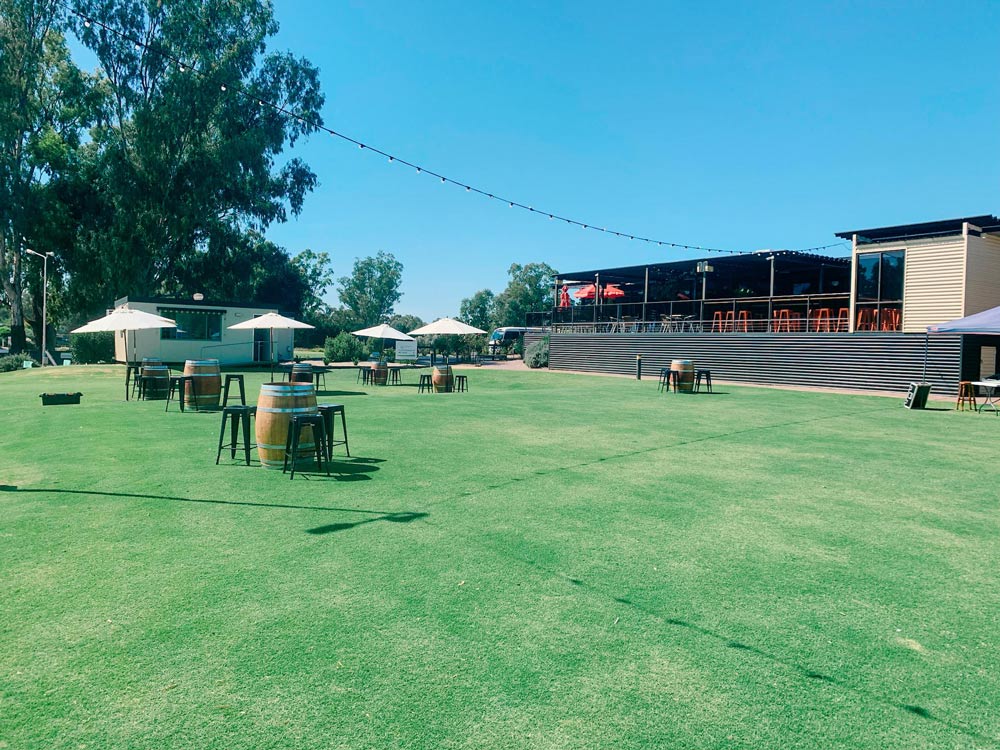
(546, 561)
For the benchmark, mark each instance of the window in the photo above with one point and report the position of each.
(878, 295)
(193, 325)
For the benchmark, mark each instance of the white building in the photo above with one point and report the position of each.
(202, 333)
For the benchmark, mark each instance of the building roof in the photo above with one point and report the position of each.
(188, 302)
(986, 222)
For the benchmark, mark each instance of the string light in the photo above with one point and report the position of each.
(182, 67)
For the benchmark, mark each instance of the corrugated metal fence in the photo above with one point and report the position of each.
(875, 361)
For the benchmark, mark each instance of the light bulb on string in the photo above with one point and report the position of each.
(223, 87)
(442, 179)
(86, 22)
(390, 159)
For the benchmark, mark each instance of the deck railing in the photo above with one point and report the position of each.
(818, 313)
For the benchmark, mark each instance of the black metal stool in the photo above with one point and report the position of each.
(425, 384)
(664, 380)
(230, 377)
(238, 416)
(179, 383)
(319, 373)
(698, 375)
(295, 427)
(329, 412)
(671, 377)
(394, 378)
(461, 382)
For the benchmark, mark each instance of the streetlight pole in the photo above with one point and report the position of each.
(45, 294)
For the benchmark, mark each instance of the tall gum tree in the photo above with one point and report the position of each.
(189, 158)
(47, 104)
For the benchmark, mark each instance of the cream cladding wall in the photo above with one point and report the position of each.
(934, 287)
(982, 277)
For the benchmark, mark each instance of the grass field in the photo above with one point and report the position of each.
(546, 561)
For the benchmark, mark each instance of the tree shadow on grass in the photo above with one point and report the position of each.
(325, 392)
(333, 528)
(376, 515)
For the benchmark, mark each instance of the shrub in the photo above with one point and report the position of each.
(93, 348)
(536, 354)
(343, 348)
(13, 362)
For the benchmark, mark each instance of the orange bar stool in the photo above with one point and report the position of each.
(890, 319)
(743, 321)
(866, 321)
(821, 321)
(730, 322)
(843, 319)
(717, 322)
(966, 396)
(783, 320)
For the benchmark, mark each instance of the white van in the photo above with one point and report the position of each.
(503, 338)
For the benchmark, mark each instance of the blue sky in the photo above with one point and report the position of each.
(743, 126)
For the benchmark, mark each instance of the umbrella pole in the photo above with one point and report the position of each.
(927, 339)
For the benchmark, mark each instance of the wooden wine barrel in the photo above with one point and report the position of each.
(207, 383)
(686, 379)
(276, 405)
(302, 372)
(380, 372)
(155, 380)
(442, 379)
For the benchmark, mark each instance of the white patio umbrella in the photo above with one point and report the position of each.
(271, 321)
(384, 332)
(126, 319)
(446, 327)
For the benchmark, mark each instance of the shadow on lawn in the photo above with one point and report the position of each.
(340, 393)
(333, 528)
(381, 514)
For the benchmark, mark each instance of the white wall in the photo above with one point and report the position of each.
(235, 347)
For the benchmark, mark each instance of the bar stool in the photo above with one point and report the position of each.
(670, 376)
(425, 384)
(180, 383)
(966, 396)
(230, 377)
(461, 383)
(743, 321)
(866, 321)
(843, 320)
(319, 373)
(237, 416)
(292, 442)
(698, 375)
(730, 324)
(783, 320)
(328, 412)
(717, 322)
(664, 378)
(394, 377)
(821, 320)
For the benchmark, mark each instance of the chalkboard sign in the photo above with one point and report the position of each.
(916, 396)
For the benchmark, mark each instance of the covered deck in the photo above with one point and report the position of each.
(764, 292)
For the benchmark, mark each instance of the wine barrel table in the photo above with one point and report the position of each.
(302, 372)
(207, 383)
(380, 373)
(442, 379)
(276, 405)
(155, 380)
(685, 370)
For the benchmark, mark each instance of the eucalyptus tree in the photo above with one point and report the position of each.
(187, 165)
(47, 104)
(372, 289)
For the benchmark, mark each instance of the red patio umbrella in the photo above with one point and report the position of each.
(585, 292)
(612, 292)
